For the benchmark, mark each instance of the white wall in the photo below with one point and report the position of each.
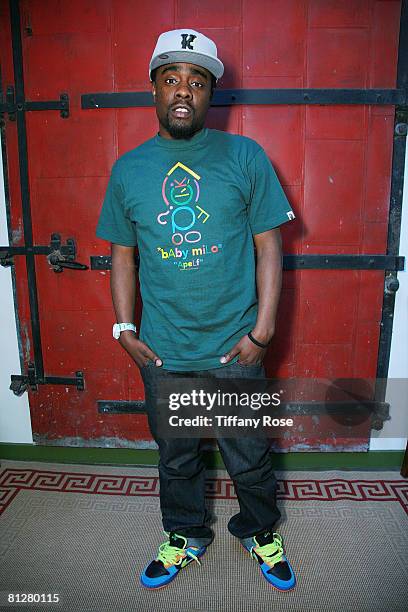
(15, 423)
(399, 350)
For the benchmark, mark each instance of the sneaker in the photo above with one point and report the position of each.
(173, 556)
(267, 549)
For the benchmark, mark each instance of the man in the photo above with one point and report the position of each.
(195, 201)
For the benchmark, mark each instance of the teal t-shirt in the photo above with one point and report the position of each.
(192, 207)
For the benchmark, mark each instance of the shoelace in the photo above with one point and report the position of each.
(274, 549)
(170, 555)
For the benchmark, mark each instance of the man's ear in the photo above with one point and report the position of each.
(154, 91)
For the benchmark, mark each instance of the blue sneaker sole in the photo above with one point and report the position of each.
(292, 586)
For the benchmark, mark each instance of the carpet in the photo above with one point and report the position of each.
(85, 532)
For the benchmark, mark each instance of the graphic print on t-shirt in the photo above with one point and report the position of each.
(184, 219)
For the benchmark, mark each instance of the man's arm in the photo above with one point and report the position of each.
(269, 282)
(123, 285)
(123, 289)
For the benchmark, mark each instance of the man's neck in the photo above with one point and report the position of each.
(165, 134)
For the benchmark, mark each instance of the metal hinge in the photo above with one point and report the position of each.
(10, 106)
(20, 382)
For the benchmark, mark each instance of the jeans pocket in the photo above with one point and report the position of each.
(249, 365)
(148, 364)
(252, 370)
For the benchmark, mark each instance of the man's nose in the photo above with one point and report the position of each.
(184, 90)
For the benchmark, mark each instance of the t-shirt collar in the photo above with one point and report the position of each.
(182, 143)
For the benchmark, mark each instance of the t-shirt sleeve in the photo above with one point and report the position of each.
(268, 206)
(113, 224)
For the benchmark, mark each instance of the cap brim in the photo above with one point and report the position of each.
(213, 65)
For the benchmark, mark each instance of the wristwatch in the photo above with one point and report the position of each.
(120, 327)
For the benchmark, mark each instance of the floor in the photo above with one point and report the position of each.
(85, 532)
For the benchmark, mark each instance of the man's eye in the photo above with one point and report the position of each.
(198, 83)
(170, 79)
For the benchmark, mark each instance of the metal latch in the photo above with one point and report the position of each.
(59, 255)
(63, 257)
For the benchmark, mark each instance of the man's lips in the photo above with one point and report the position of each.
(181, 111)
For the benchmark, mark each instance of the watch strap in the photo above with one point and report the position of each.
(118, 328)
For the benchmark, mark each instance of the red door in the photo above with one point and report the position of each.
(334, 162)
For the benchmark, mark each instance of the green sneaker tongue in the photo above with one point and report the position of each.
(177, 540)
(264, 538)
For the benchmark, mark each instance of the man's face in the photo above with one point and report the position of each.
(182, 94)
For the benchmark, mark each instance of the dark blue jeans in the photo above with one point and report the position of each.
(182, 470)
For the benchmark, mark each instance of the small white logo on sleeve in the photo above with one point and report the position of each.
(290, 214)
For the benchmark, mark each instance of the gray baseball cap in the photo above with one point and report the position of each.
(189, 46)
